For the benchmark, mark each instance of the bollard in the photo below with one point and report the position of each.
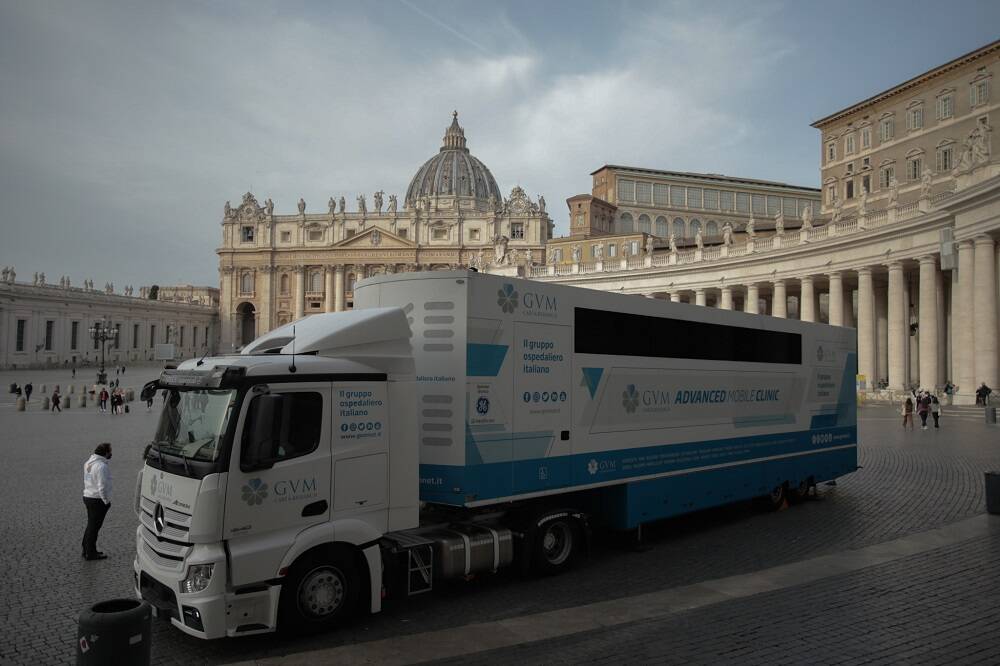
(45, 402)
(44, 389)
(66, 402)
(83, 400)
(21, 404)
(115, 631)
(991, 415)
(129, 394)
(72, 389)
(993, 492)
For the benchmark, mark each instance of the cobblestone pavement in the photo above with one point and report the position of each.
(910, 482)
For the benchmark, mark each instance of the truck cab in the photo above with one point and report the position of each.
(273, 474)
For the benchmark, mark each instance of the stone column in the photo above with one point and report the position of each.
(675, 297)
(752, 304)
(699, 297)
(808, 300)
(338, 288)
(898, 334)
(985, 299)
(779, 307)
(942, 327)
(265, 297)
(727, 298)
(848, 309)
(866, 327)
(928, 325)
(882, 332)
(836, 301)
(328, 300)
(962, 350)
(300, 292)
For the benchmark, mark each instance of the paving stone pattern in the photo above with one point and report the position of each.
(911, 482)
(938, 607)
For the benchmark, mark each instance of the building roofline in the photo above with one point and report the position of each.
(916, 80)
(714, 177)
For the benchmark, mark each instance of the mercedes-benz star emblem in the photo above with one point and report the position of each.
(158, 520)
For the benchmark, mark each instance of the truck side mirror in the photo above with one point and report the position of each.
(149, 391)
(260, 435)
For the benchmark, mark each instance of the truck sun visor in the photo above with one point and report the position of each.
(214, 378)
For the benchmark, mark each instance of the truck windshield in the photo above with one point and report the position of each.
(193, 422)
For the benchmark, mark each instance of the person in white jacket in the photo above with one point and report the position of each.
(96, 497)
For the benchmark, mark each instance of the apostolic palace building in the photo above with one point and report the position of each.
(901, 242)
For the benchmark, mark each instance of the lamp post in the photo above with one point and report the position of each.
(101, 332)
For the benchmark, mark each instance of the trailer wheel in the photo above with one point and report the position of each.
(320, 592)
(555, 547)
(775, 499)
(800, 492)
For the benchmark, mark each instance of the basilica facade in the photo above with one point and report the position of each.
(276, 268)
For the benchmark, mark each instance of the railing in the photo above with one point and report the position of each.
(907, 210)
(711, 253)
(637, 261)
(763, 244)
(877, 218)
(588, 266)
(538, 271)
(848, 226)
(661, 259)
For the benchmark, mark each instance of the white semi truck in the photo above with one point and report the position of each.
(456, 423)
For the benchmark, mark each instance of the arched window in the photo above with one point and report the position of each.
(662, 227)
(712, 228)
(644, 224)
(678, 227)
(625, 223)
(695, 226)
(284, 284)
(350, 281)
(246, 283)
(316, 281)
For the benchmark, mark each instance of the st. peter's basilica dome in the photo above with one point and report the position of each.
(453, 172)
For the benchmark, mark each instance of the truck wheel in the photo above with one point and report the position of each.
(800, 492)
(555, 546)
(320, 593)
(775, 500)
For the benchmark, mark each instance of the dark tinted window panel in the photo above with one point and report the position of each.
(624, 334)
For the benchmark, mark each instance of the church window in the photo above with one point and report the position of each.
(246, 283)
(678, 227)
(612, 250)
(517, 230)
(695, 227)
(678, 196)
(849, 144)
(439, 233)
(773, 203)
(349, 232)
(662, 227)
(473, 234)
(788, 206)
(866, 137)
(625, 223)
(351, 279)
(315, 234)
(866, 183)
(944, 158)
(979, 93)
(626, 190)
(757, 200)
(284, 284)
(849, 188)
(643, 192)
(726, 200)
(246, 234)
(742, 202)
(885, 176)
(712, 228)
(712, 199)
(945, 107)
(831, 151)
(19, 345)
(645, 224)
(316, 281)
(885, 129)
(286, 236)
(661, 194)
(694, 197)
(401, 232)
(633, 247)
(915, 117)
(913, 168)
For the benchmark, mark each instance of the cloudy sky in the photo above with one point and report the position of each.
(124, 127)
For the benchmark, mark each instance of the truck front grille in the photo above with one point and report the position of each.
(169, 547)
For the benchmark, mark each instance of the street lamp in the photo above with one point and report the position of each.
(101, 332)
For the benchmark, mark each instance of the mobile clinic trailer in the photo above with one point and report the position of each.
(282, 485)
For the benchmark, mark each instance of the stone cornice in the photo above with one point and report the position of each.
(93, 299)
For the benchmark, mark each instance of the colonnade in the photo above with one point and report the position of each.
(918, 326)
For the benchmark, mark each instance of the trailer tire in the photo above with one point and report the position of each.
(799, 493)
(775, 499)
(555, 546)
(320, 592)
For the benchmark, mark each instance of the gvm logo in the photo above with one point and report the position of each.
(536, 301)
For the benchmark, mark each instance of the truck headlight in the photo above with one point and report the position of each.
(198, 578)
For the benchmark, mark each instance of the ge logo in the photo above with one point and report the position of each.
(483, 405)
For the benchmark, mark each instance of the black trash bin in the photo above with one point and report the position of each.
(991, 415)
(993, 492)
(116, 632)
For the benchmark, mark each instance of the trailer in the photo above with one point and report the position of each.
(456, 423)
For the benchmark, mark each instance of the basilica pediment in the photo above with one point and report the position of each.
(375, 237)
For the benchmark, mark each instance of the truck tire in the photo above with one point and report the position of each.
(320, 593)
(556, 544)
(800, 493)
(775, 500)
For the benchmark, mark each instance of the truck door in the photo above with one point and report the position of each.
(542, 441)
(279, 478)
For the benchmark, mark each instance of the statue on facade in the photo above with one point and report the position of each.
(698, 240)
(392, 204)
(62, 281)
(577, 254)
(302, 206)
(981, 142)
(515, 257)
(12, 275)
(550, 258)
(362, 207)
(807, 218)
(779, 223)
(377, 198)
(599, 252)
(625, 249)
(227, 212)
(269, 207)
(34, 280)
(332, 206)
(863, 202)
(491, 203)
(541, 204)
(651, 244)
(893, 192)
(751, 230)
(926, 181)
(727, 234)
(342, 205)
(500, 249)
(4, 274)
(838, 207)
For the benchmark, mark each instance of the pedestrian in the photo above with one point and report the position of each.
(74, 372)
(908, 412)
(923, 408)
(56, 399)
(149, 400)
(102, 399)
(123, 369)
(28, 388)
(164, 396)
(117, 369)
(935, 410)
(949, 390)
(96, 497)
